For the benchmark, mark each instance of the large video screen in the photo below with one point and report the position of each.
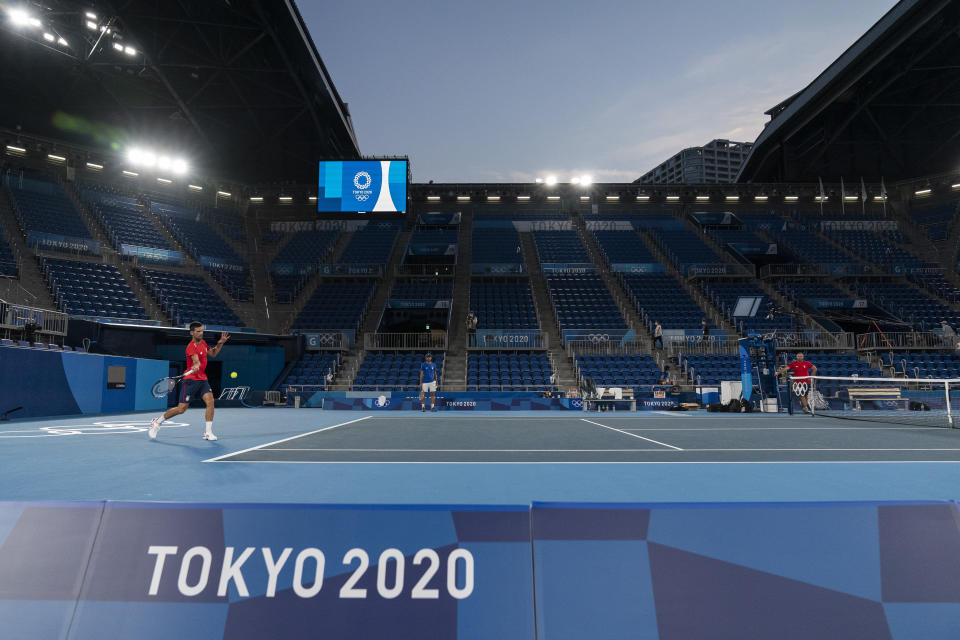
(363, 185)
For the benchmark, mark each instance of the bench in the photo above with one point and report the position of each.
(857, 396)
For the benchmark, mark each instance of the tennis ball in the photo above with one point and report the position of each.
(233, 374)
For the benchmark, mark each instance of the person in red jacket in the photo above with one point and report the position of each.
(194, 381)
(801, 371)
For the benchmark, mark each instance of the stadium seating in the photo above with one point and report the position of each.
(422, 290)
(497, 246)
(508, 372)
(228, 221)
(807, 246)
(836, 364)
(684, 247)
(628, 371)
(91, 289)
(503, 305)
(710, 368)
(920, 364)
(910, 305)
(188, 298)
(122, 219)
(393, 371)
(335, 305)
(583, 302)
(560, 246)
(372, 246)
(42, 206)
(880, 248)
(623, 247)
(659, 296)
(206, 247)
(312, 369)
(8, 262)
(934, 219)
(297, 260)
(798, 291)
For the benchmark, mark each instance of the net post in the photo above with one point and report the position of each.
(811, 404)
(946, 386)
(790, 393)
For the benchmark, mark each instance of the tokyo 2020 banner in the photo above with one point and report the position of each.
(369, 185)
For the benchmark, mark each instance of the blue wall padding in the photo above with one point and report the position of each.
(660, 571)
(55, 383)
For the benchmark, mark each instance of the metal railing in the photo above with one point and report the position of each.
(799, 340)
(906, 340)
(580, 347)
(436, 341)
(17, 316)
(435, 270)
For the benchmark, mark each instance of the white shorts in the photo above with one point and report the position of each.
(429, 386)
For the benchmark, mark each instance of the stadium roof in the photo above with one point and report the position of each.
(236, 86)
(886, 108)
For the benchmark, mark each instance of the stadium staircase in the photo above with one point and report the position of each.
(109, 255)
(283, 317)
(709, 310)
(562, 365)
(455, 364)
(31, 288)
(617, 292)
(353, 358)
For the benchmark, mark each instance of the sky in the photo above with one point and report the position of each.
(509, 91)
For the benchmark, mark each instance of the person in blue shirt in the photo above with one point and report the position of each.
(428, 382)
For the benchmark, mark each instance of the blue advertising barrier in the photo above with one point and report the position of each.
(497, 268)
(40, 240)
(791, 571)
(152, 254)
(598, 335)
(217, 263)
(431, 249)
(292, 268)
(353, 269)
(512, 338)
(439, 218)
(331, 339)
(284, 572)
(568, 267)
(637, 267)
(836, 303)
(399, 303)
(746, 571)
(448, 402)
(58, 383)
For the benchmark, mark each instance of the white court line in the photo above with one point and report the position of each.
(600, 450)
(227, 455)
(633, 435)
(904, 428)
(591, 462)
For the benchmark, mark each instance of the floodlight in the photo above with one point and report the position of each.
(551, 180)
(760, 198)
(285, 198)
(256, 199)
(194, 187)
(179, 166)
(130, 51)
(49, 37)
(19, 17)
(56, 158)
(523, 198)
(93, 166)
(586, 180)
(164, 181)
(224, 194)
(17, 151)
(493, 198)
(851, 198)
(312, 198)
(922, 192)
(613, 197)
(62, 42)
(91, 15)
(91, 25)
(791, 198)
(955, 186)
(585, 198)
(539, 180)
(553, 197)
(148, 159)
(575, 180)
(118, 46)
(130, 174)
(643, 198)
(163, 162)
(463, 198)
(673, 198)
(702, 198)
(732, 198)
(433, 198)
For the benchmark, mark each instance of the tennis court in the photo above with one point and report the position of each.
(312, 456)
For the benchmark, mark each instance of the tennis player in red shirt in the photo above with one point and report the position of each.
(194, 381)
(801, 370)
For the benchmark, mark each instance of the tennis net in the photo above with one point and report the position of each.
(928, 402)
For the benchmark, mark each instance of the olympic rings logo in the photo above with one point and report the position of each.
(801, 388)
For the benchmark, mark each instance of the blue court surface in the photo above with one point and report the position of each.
(311, 456)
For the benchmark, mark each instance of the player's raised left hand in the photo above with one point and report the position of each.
(224, 336)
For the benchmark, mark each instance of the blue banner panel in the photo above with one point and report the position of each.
(211, 262)
(786, 571)
(509, 338)
(637, 267)
(599, 335)
(368, 185)
(497, 268)
(836, 303)
(400, 303)
(292, 268)
(446, 402)
(151, 254)
(568, 267)
(52, 241)
(351, 269)
(244, 572)
(431, 249)
(328, 339)
(439, 218)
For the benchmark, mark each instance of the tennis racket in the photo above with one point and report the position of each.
(165, 386)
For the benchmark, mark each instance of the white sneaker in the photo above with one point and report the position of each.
(154, 428)
(208, 435)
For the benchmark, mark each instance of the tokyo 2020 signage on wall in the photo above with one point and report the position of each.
(368, 185)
